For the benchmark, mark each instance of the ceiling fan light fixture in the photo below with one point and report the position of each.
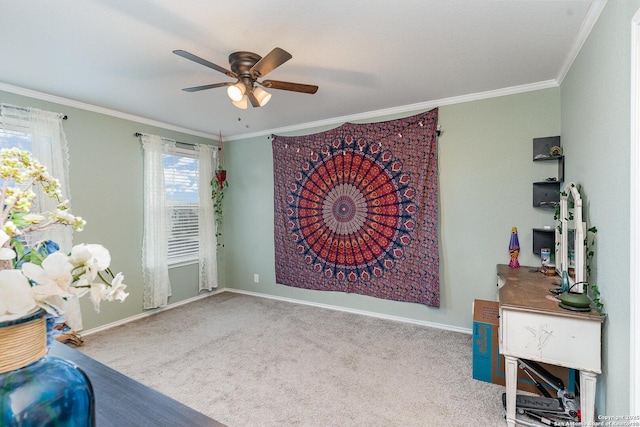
(261, 95)
(242, 103)
(236, 91)
(247, 68)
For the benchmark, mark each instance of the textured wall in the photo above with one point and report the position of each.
(595, 130)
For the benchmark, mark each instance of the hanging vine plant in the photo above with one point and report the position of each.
(218, 184)
(589, 242)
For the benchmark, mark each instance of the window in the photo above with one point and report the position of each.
(182, 198)
(179, 225)
(41, 133)
(13, 138)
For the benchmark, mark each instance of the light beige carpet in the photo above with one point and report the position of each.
(249, 361)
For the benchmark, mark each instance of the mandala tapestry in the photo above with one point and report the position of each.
(356, 209)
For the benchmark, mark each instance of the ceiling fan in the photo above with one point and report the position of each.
(247, 68)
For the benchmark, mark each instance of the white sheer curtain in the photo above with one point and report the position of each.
(48, 144)
(208, 272)
(41, 133)
(155, 269)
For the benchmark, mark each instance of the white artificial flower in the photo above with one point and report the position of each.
(58, 277)
(53, 277)
(79, 223)
(10, 229)
(16, 298)
(97, 293)
(100, 255)
(64, 217)
(81, 259)
(5, 253)
(52, 304)
(64, 205)
(117, 289)
(93, 258)
(80, 254)
(33, 218)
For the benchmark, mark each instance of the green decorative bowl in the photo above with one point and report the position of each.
(572, 299)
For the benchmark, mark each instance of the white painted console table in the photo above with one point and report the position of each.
(533, 326)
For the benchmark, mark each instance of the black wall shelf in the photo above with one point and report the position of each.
(544, 238)
(546, 194)
(560, 160)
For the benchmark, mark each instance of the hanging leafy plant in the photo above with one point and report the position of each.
(217, 194)
(589, 243)
(218, 184)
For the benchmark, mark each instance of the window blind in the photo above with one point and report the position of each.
(181, 183)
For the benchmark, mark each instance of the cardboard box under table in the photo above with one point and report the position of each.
(488, 363)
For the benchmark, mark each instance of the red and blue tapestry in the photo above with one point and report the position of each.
(356, 209)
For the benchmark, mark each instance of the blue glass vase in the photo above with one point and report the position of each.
(37, 389)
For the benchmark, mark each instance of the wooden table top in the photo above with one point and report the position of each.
(527, 289)
(122, 401)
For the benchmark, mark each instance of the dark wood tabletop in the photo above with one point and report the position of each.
(527, 289)
(122, 401)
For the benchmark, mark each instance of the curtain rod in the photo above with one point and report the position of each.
(64, 117)
(139, 134)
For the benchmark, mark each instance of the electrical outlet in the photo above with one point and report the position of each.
(256, 278)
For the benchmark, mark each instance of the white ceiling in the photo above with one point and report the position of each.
(366, 56)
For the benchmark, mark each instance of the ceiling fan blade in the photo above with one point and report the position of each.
(204, 62)
(212, 86)
(252, 98)
(270, 62)
(294, 87)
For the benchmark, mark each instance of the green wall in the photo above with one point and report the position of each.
(596, 136)
(485, 175)
(106, 189)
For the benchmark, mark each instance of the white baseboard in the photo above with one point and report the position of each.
(292, 300)
(356, 311)
(149, 313)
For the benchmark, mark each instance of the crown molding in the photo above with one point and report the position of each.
(404, 109)
(101, 110)
(336, 121)
(585, 29)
